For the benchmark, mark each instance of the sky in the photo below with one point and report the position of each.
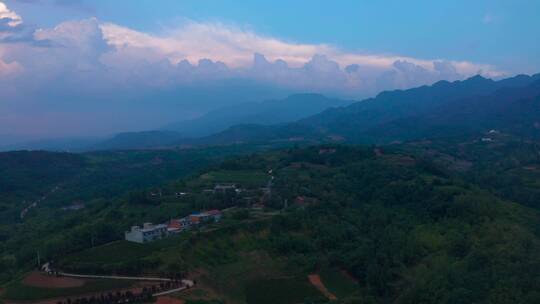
(84, 68)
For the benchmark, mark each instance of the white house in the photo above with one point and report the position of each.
(147, 233)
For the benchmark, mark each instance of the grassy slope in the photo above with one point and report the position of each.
(101, 180)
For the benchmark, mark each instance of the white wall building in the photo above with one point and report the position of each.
(147, 233)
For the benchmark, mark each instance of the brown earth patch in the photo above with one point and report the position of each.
(169, 300)
(316, 281)
(38, 279)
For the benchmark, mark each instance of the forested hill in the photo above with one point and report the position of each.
(187, 133)
(268, 112)
(392, 105)
(30, 176)
(444, 109)
(406, 229)
(138, 140)
(26, 176)
(510, 110)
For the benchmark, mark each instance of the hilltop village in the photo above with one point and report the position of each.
(232, 193)
(149, 232)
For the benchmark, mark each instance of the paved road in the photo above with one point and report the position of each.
(90, 276)
(187, 284)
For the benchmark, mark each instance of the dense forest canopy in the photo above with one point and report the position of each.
(410, 224)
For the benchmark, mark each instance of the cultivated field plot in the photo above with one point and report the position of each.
(37, 279)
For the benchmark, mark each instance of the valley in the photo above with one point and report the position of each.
(294, 216)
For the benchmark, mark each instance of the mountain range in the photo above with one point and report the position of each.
(269, 112)
(193, 132)
(444, 109)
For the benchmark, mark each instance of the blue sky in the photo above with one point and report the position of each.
(70, 68)
(500, 32)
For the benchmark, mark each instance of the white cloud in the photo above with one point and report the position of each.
(12, 18)
(310, 67)
(235, 47)
(195, 41)
(105, 54)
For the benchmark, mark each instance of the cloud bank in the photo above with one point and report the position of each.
(11, 17)
(82, 71)
(243, 53)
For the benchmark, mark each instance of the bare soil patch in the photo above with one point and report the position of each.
(169, 300)
(316, 281)
(38, 279)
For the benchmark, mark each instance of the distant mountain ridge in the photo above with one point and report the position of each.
(392, 105)
(194, 132)
(269, 112)
(75, 144)
(408, 113)
(139, 140)
(514, 110)
(442, 109)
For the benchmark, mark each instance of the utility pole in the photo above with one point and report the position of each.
(38, 259)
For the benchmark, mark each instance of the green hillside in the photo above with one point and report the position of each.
(444, 109)
(48, 185)
(395, 225)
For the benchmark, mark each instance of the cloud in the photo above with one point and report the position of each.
(10, 22)
(89, 71)
(215, 50)
(194, 41)
(12, 18)
(83, 39)
(235, 47)
(244, 53)
(9, 69)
